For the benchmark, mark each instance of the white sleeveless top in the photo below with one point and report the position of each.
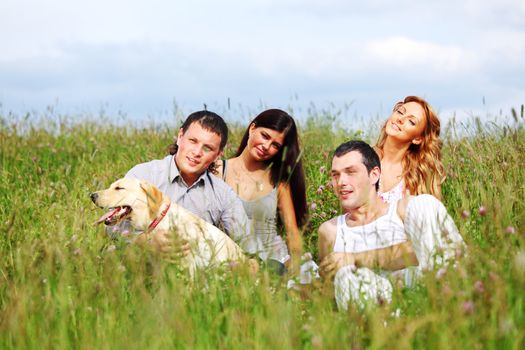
(264, 239)
(387, 230)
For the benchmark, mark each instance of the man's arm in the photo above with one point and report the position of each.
(233, 218)
(326, 234)
(394, 257)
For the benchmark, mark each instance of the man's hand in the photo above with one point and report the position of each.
(333, 262)
(170, 246)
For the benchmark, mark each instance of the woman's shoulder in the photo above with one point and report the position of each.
(221, 167)
(284, 187)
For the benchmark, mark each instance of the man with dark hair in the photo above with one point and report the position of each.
(415, 231)
(184, 176)
(369, 156)
(209, 121)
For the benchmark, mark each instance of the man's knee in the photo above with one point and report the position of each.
(360, 286)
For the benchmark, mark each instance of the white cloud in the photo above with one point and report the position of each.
(142, 53)
(406, 53)
(501, 13)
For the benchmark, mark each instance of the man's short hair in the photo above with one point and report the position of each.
(369, 156)
(209, 121)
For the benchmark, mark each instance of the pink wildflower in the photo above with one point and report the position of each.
(468, 307)
(446, 290)
(493, 276)
(510, 230)
(482, 211)
(317, 342)
(441, 272)
(479, 287)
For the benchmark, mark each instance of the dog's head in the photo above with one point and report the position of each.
(137, 200)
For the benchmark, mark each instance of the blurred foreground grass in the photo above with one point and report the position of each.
(64, 285)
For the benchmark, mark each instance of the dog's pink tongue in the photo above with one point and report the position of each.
(107, 216)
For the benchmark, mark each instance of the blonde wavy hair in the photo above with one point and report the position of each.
(422, 167)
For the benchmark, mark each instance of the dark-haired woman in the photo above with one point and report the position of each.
(267, 175)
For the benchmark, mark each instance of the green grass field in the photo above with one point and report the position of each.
(63, 284)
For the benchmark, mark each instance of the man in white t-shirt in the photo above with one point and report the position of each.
(416, 231)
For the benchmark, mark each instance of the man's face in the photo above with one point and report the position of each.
(352, 183)
(198, 148)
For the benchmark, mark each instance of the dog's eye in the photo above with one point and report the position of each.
(118, 188)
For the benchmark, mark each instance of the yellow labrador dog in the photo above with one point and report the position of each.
(149, 210)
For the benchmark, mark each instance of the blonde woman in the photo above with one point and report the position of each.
(410, 151)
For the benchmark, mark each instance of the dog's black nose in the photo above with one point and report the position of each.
(93, 196)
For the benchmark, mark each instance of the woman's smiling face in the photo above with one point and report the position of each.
(407, 122)
(264, 143)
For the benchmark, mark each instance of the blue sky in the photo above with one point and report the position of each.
(141, 57)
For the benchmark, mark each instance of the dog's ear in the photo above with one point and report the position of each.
(154, 197)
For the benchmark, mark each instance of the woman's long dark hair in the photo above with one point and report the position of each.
(286, 165)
